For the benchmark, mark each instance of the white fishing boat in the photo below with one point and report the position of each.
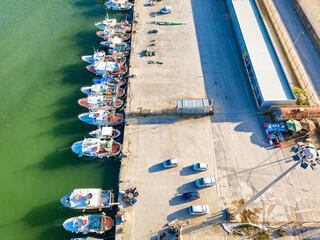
(107, 68)
(96, 147)
(103, 57)
(101, 118)
(112, 23)
(88, 238)
(89, 224)
(88, 198)
(112, 32)
(100, 102)
(118, 5)
(107, 22)
(103, 90)
(105, 133)
(113, 42)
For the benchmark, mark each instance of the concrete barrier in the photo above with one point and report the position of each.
(303, 14)
(291, 53)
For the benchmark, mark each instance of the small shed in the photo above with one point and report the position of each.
(194, 106)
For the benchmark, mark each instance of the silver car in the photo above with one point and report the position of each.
(205, 182)
(170, 163)
(200, 166)
(199, 209)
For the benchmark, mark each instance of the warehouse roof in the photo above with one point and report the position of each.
(270, 76)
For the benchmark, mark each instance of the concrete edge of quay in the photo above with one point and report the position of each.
(127, 113)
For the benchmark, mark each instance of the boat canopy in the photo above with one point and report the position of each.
(85, 197)
(99, 115)
(105, 66)
(106, 131)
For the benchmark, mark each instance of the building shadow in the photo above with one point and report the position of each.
(225, 80)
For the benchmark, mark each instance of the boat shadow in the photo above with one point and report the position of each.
(52, 213)
(76, 74)
(76, 128)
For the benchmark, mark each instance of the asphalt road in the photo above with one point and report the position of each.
(306, 48)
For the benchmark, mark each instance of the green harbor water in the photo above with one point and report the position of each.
(41, 75)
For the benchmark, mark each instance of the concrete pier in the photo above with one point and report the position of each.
(200, 59)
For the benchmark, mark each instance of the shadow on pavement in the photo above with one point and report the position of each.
(156, 168)
(176, 200)
(187, 187)
(188, 171)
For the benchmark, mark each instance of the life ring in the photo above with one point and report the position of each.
(95, 149)
(84, 222)
(104, 117)
(97, 114)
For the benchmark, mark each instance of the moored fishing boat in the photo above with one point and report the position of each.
(102, 56)
(88, 198)
(118, 5)
(88, 238)
(100, 102)
(107, 22)
(112, 42)
(112, 23)
(102, 118)
(89, 224)
(124, 50)
(111, 33)
(96, 147)
(104, 90)
(108, 68)
(109, 80)
(105, 133)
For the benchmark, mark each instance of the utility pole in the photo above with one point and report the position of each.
(307, 155)
(245, 205)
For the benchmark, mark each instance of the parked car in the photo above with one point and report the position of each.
(170, 163)
(199, 209)
(205, 182)
(191, 195)
(165, 10)
(200, 166)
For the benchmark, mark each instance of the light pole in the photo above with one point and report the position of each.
(295, 41)
(307, 154)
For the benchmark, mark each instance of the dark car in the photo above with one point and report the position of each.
(191, 195)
